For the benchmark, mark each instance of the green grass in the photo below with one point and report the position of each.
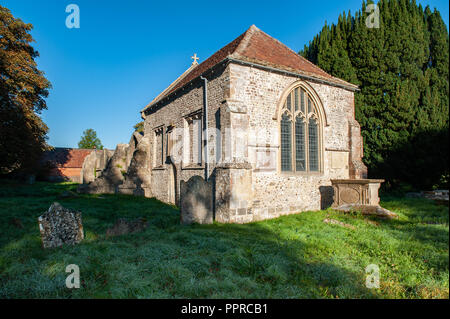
(296, 256)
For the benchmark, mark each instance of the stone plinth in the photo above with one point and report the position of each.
(233, 193)
(356, 191)
(196, 201)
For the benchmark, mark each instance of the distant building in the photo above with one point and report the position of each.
(65, 164)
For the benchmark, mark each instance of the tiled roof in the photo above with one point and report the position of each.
(67, 157)
(256, 47)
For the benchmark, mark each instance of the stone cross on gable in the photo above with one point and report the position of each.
(195, 58)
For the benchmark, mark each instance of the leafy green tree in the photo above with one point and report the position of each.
(23, 89)
(89, 139)
(402, 71)
(139, 127)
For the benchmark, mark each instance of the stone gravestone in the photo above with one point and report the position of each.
(60, 226)
(137, 179)
(124, 226)
(111, 176)
(196, 201)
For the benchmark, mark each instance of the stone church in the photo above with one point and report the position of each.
(264, 127)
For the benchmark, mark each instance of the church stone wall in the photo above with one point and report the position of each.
(173, 112)
(277, 193)
(248, 184)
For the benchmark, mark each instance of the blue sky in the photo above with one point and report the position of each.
(126, 52)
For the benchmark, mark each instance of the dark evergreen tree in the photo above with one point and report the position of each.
(402, 71)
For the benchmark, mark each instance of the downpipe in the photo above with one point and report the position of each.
(205, 123)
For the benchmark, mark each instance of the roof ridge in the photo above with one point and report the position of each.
(248, 34)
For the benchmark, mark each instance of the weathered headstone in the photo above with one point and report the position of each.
(123, 226)
(196, 201)
(60, 226)
(112, 176)
(94, 164)
(440, 197)
(137, 178)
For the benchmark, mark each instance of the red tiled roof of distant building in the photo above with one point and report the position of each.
(67, 157)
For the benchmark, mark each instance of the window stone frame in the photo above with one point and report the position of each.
(319, 117)
(188, 141)
(158, 134)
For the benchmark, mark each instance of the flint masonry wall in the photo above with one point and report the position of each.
(276, 193)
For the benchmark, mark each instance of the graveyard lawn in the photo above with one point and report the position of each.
(296, 256)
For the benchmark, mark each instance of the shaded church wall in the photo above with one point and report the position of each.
(173, 112)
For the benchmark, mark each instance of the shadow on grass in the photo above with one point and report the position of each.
(420, 219)
(168, 260)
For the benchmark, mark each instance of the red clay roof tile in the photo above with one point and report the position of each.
(67, 157)
(257, 47)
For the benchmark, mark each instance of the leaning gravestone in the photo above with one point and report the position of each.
(60, 226)
(196, 201)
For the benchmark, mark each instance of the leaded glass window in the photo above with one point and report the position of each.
(300, 160)
(286, 144)
(302, 100)
(288, 102)
(313, 141)
(300, 133)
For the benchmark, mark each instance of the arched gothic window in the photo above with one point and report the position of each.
(300, 133)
